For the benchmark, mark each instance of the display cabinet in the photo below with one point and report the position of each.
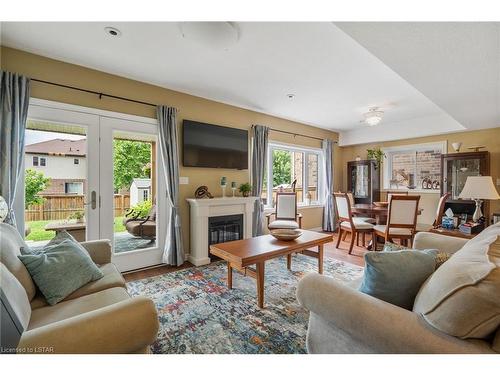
(364, 181)
(455, 168)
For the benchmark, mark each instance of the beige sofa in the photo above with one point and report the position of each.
(344, 320)
(100, 317)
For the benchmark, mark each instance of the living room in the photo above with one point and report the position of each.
(232, 193)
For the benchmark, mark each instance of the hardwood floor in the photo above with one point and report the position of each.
(330, 250)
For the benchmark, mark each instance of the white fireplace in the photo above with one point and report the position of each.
(203, 209)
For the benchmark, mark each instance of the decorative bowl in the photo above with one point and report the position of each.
(286, 234)
(381, 204)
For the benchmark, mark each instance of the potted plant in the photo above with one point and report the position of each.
(78, 216)
(376, 154)
(245, 189)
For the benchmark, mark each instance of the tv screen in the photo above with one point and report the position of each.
(213, 146)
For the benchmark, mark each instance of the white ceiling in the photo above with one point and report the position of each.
(335, 73)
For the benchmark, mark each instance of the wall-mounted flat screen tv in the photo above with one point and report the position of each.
(213, 146)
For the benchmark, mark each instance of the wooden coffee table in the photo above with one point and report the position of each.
(257, 250)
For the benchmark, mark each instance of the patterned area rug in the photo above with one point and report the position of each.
(198, 314)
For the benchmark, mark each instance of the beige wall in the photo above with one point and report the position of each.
(190, 107)
(489, 138)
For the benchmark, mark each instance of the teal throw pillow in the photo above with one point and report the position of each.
(60, 268)
(396, 276)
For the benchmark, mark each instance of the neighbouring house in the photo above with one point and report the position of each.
(61, 160)
(140, 190)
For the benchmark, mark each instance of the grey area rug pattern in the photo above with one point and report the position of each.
(199, 314)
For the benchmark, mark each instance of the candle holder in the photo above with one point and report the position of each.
(223, 187)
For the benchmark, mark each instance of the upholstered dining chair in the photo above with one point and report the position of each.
(401, 220)
(348, 223)
(421, 227)
(285, 216)
(396, 192)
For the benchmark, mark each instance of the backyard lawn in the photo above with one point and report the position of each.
(38, 232)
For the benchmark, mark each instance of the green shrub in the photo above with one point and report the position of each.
(141, 209)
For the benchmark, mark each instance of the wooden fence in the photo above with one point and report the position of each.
(60, 207)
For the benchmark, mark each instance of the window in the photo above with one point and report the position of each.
(43, 162)
(35, 161)
(145, 194)
(76, 161)
(73, 187)
(414, 167)
(290, 165)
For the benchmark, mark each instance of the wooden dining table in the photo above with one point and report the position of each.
(379, 213)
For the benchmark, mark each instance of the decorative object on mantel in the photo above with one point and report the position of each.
(476, 148)
(456, 146)
(233, 188)
(245, 189)
(358, 158)
(376, 154)
(202, 192)
(223, 184)
(478, 188)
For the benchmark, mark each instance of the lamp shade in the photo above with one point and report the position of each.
(479, 187)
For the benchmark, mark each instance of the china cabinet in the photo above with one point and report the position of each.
(455, 168)
(364, 181)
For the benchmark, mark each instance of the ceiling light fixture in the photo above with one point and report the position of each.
(290, 96)
(214, 35)
(373, 116)
(112, 31)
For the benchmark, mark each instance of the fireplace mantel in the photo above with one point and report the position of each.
(202, 209)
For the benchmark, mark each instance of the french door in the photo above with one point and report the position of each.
(103, 165)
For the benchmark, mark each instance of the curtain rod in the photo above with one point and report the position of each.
(298, 134)
(100, 94)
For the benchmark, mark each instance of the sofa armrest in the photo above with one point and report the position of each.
(99, 250)
(124, 327)
(447, 244)
(384, 327)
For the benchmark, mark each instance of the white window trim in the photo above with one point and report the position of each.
(305, 172)
(386, 174)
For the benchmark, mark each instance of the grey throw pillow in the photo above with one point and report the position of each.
(60, 268)
(396, 276)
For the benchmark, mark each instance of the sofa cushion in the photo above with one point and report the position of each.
(396, 276)
(67, 309)
(112, 278)
(16, 295)
(60, 269)
(10, 245)
(462, 298)
(440, 257)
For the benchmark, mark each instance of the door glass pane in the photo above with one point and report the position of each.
(134, 182)
(55, 186)
(312, 178)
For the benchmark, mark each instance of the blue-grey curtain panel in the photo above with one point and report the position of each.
(174, 251)
(14, 101)
(329, 221)
(260, 137)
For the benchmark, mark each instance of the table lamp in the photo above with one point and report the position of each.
(478, 188)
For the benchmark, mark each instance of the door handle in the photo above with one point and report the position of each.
(93, 200)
